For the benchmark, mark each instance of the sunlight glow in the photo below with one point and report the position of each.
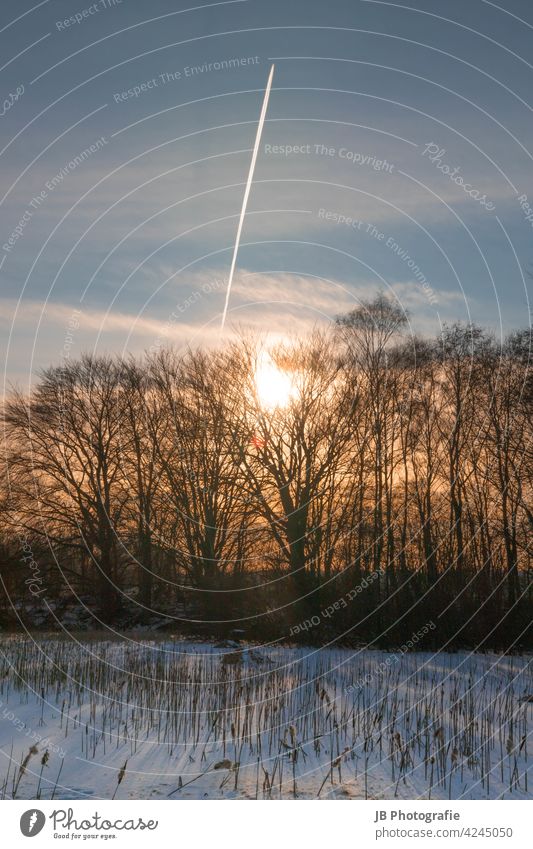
(275, 388)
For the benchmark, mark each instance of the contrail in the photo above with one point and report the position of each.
(247, 192)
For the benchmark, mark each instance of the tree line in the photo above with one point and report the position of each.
(391, 492)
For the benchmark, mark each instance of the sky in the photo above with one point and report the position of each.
(396, 155)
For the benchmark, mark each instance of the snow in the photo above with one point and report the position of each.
(192, 720)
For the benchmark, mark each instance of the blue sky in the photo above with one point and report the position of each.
(132, 124)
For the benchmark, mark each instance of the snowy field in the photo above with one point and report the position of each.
(182, 720)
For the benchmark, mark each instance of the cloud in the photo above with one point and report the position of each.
(262, 301)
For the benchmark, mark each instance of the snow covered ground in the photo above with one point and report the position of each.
(138, 718)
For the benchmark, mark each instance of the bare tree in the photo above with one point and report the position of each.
(67, 464)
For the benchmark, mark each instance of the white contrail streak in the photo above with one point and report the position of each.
(247, 192)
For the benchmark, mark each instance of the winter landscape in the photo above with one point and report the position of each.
(266, 451)
(174, 720)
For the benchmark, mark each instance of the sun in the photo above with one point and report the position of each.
(275, 388)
